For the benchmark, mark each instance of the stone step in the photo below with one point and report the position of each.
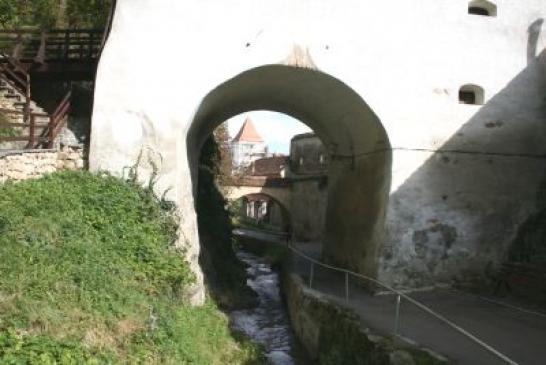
(35, 108)
(17, 100)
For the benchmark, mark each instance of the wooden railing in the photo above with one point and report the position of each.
(16, 77)
(22, 52)
(58, 119)
(58, 45)
(48, 131)
(31, 138)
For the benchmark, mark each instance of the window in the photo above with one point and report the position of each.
(482, 7)
(471, 94)
(301, 161)
(476, 10)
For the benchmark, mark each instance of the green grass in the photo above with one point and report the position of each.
(89, 274)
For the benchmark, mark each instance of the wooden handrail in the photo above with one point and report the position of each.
(65, 101)
(58, 119)
(9, 82)
(55, 45)
(17, 80)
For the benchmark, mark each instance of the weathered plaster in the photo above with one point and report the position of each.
(173, 70)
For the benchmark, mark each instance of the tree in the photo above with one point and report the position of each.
(87, 13)
(223, 163)
(48, 14)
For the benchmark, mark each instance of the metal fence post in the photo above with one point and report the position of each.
(397, 316)
(347, 286)
(311, 274)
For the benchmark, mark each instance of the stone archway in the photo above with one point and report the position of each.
(360, 169)
(281, 211)
(279, 194)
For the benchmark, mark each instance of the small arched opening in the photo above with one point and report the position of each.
(262, 211)
(471, 94)
(483, 8)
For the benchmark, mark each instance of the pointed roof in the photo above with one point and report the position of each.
(248, 133)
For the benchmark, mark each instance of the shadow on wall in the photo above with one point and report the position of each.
(475, 192)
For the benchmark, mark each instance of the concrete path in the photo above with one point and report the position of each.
(518, 334)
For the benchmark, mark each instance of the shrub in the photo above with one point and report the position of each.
(89, 273)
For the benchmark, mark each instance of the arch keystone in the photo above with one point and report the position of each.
(300, 57)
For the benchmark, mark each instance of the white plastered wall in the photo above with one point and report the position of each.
(406, 59)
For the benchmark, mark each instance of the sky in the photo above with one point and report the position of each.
(275, 128)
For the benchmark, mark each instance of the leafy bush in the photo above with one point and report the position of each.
(48, 14)
(89, 273)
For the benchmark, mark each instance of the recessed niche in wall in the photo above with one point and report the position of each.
(482, 7)
(471, 94)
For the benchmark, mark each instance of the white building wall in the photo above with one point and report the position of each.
(244, 153)
(406, 59)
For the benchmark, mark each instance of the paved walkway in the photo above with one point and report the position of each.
(518, 334)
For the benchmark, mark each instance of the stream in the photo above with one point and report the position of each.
(267, 323)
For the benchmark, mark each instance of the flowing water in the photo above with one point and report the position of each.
(267, 323)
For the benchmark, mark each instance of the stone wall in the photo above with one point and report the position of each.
(309, 189)
(22, 165)
(308, 208)
(308, 155)
(334, 335)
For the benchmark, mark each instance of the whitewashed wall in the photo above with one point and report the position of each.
(406, 59)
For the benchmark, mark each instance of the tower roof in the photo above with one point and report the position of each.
(248, 133)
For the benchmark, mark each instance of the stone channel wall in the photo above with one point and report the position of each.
(28, 164)
(335, 335)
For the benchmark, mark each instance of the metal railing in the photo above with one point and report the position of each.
(399, 296)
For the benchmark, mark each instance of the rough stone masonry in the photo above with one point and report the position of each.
(28, 164)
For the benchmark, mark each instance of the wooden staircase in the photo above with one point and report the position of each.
(57, 55)
(30, 126)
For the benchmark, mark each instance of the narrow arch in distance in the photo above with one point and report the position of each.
(283, 209)
(359, 173)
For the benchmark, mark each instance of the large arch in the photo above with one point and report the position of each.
(360, 168)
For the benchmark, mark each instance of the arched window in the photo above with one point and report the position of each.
(482, 7)
(471, 94)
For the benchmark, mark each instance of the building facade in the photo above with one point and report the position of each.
(247, 146)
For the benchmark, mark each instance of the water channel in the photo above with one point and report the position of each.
(267, 323)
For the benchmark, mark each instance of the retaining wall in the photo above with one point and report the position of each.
(332, 334)
(28, 164)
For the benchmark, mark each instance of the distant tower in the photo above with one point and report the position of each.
(247, 146)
